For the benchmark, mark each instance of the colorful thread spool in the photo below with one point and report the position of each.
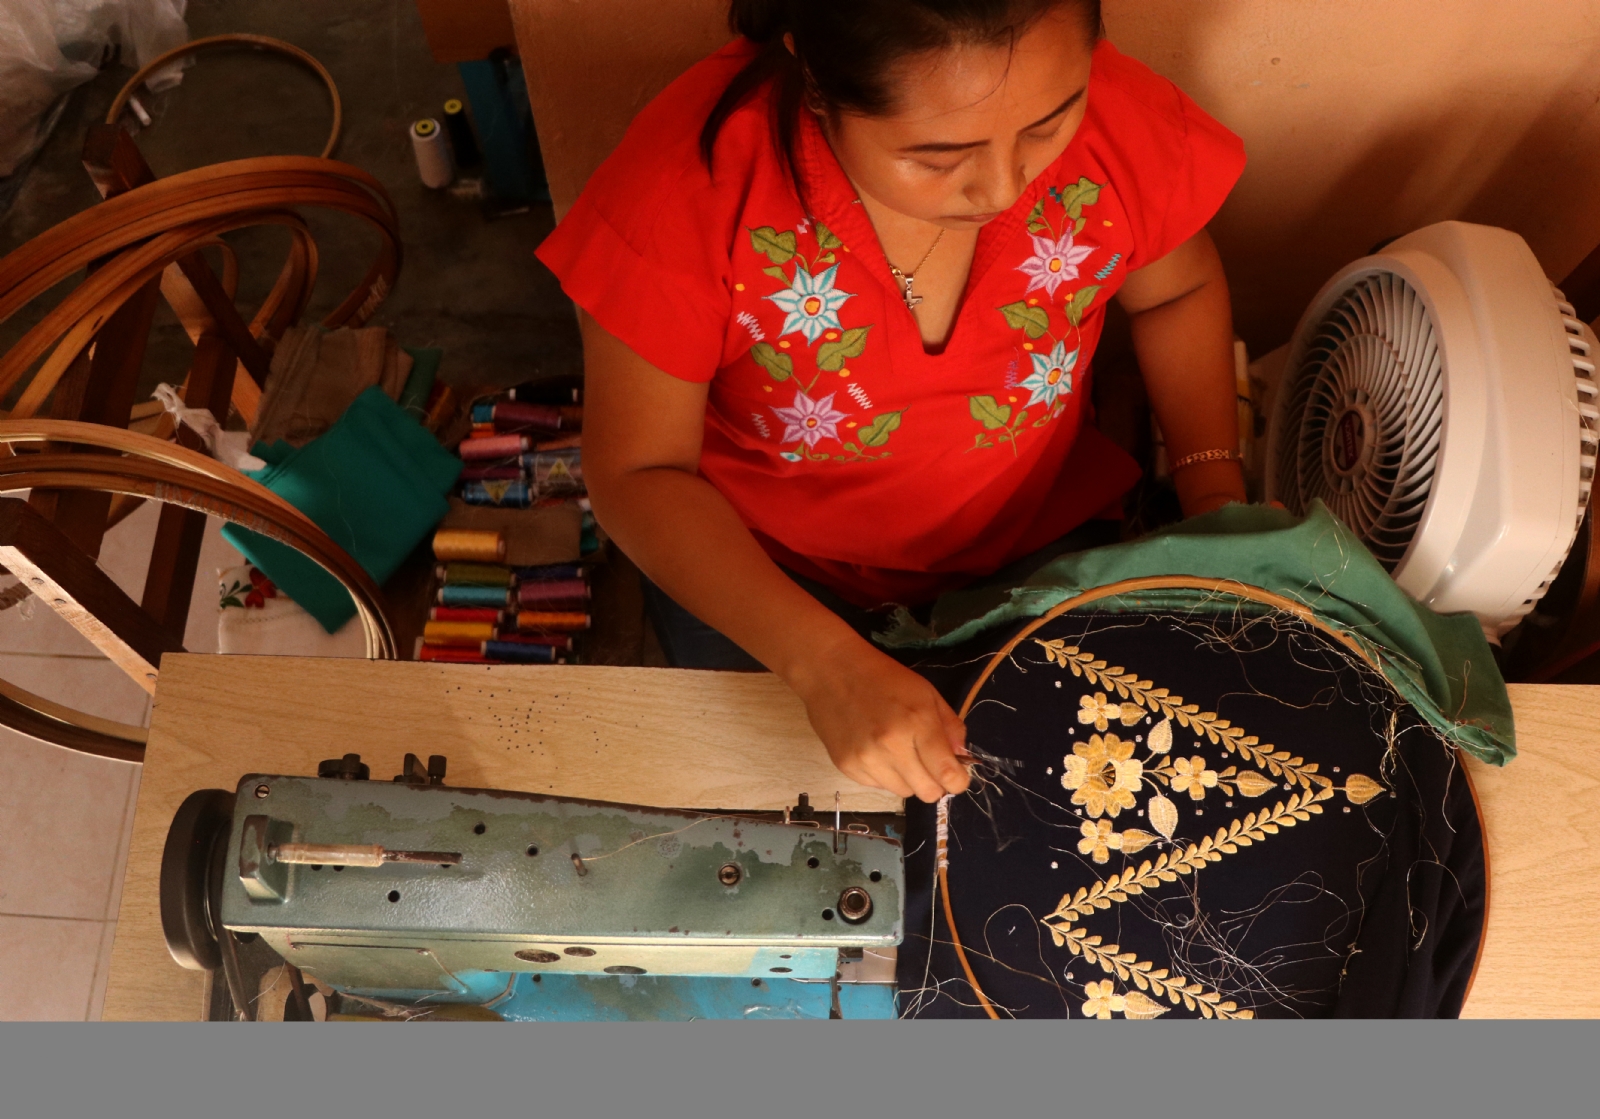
(563, 621)
(537, 594)
(505, 494)
(514, 415)
(465, 614)
(493, 447)
(483, 413)
(432, 151)
(476, 545)
(474, 574)
(558, 443)
(468, 595)
(549, 571)
(492, 474)
(449, 654)
(561, 641)
(516, 652)
(457, 633)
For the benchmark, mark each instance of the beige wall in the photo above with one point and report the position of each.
(1363, 118)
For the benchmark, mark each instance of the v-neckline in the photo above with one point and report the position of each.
(828, 196)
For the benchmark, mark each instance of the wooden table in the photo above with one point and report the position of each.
(736, 741)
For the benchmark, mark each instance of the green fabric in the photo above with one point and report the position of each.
(375, 482)
(424, 370)
(1441, 664)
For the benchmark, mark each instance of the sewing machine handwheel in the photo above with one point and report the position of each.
(190, 870)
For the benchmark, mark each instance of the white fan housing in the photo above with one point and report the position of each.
(1439, 396)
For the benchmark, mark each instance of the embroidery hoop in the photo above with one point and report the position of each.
(1150, 583)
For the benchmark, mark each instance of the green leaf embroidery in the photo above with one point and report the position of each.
(779, 247)
(1036, 222)
(1077, 226)
(777, 273)
(1085, 192)
(1079, 303)
(877, 433)
(826, 238)
(852, 448)
(1022, 418)
(832, 355)
(988, 411)
(780, 366)
(1032, 321)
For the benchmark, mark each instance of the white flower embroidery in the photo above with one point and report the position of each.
(810, 421)
(812, 304)
(1053, 263)
(1051, 376)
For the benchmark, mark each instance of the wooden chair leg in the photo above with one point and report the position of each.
(54, 568)
(169, 582)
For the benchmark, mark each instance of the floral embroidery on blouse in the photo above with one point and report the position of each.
(1055, 260)
(811, 302)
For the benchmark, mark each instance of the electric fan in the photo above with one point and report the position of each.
(1439, 397)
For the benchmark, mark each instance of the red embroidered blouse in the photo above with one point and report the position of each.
(852, 454)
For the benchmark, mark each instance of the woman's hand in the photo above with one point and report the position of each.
(883, 724)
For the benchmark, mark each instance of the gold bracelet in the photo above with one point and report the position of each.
(1216, 454)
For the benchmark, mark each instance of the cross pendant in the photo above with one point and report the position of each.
(911, 297)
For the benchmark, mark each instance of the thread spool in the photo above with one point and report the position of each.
(432, 152)
(513, 415)
(497, 597)
(465, 614)
(505, 494)
(450, 654)
(474, 574)
(553, 621)
(463, 144)
(545, 595)
(558, 641)
(548, 571)
(491, 474)
(517, 653)
(492, 447)
(475, 545)
(457, 633)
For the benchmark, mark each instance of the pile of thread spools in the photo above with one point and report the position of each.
(490, 613)
(523, 451)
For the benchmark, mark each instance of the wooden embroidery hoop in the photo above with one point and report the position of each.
(1229, 587)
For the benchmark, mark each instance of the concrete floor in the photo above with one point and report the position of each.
(466, 284)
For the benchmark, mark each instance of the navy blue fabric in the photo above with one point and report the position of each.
(1370, 909)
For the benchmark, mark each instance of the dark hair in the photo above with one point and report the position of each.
(843, 50)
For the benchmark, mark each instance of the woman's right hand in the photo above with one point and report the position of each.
(883, 724)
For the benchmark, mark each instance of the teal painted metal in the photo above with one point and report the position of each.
(575, 887)
(659, 998)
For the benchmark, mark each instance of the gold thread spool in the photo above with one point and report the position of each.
(478, 545)
(457, 633)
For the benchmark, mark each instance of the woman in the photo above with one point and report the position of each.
(841, 283)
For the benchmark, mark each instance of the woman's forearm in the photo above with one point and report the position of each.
(686, 537)
(1185, 351)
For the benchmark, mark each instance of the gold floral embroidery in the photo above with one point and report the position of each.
(1254, 827)
(1104, 767)
(1099, 840)
(1162, 702)
(1103, 774)
(1095, 709)
(1103, 1001)
(1192, 775)
(1146, 976)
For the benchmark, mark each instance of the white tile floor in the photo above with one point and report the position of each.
(65, 817)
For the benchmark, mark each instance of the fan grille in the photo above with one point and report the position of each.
(1365, 410)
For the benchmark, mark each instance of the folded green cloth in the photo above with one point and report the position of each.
(1441, 663)
(375, 482)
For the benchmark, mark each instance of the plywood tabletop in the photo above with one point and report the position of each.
(664, 737)
(675, 738)
(1541, 954)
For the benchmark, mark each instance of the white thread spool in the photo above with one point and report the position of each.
(432, 150)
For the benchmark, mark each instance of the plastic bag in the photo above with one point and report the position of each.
(50, 47)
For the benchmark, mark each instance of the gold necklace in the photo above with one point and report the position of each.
(905, 280)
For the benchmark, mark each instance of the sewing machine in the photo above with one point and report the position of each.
(403, 897)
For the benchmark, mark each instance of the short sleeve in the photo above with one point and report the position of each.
(647, 248)
(1171, 163)
(1213, 160)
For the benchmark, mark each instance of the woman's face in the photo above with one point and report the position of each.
(972, 125)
